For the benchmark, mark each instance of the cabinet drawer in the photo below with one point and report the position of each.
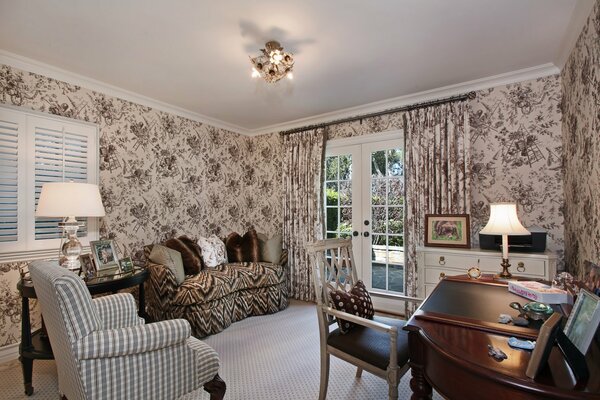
(460, 262)
(433, 275)
(518, 266)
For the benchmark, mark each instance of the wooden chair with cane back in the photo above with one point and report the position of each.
(379, 346)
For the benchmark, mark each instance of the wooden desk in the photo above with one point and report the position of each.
(448, 338)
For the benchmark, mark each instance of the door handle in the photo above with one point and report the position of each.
(366, 234)
(355, 233)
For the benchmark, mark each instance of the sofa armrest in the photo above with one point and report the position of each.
(162, 282)
(132, 340)
(117, 311)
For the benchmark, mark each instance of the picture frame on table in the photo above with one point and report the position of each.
(583, 321)
(104, 253)
(126, 265)
(543, 345)
(591, 277)
(88, 266)
(448, 230)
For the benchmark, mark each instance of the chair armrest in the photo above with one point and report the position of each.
(117, 311)
(133, 339)
(392, 330)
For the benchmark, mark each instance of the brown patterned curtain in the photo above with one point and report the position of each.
(437, 172)
(302, 205)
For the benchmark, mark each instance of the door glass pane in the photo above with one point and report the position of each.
(331, 192)
(345, 167)
(387, 216)
(378, 164)
(378, 219)
(378, 191)
(345, 193)
(331, 168)
(338, 196)
(395, 220)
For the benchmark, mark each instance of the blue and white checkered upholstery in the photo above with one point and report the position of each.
(117, 311)
(104, 351)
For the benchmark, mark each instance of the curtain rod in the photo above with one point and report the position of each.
(462, 97)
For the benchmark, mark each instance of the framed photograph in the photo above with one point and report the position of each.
(126, 265)
(105, 254)
(591, 278)
(88, 267)
(583, 320)
(448, 230)
(543, 345)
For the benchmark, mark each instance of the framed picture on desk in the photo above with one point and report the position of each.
(583, 320)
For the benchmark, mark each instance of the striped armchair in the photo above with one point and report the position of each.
(103, 350)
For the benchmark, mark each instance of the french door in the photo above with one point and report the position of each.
(364, 199)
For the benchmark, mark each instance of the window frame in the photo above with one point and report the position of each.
(26, 247)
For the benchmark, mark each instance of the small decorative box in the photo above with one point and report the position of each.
(540, 292)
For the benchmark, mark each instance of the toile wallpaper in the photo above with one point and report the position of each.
(516, 153)
(160, 174)
(581, 135)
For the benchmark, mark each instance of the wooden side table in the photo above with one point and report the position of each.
(36, 346)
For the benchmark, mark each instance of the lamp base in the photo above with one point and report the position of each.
(70, 247)
(505, 266)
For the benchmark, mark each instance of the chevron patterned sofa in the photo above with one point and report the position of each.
(217, 297)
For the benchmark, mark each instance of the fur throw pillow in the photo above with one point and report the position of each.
(190, 253)
(356, 302)
(243, 248)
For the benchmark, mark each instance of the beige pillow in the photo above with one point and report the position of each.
(270, 249)
(213, 251)
(169, 258)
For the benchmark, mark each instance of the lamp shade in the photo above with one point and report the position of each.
(504, 221)
(70, 199)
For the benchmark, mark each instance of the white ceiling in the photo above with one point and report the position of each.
(194, 54)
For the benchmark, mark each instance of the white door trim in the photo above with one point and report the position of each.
(368, 138)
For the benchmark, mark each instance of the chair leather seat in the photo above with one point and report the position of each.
(370, 345)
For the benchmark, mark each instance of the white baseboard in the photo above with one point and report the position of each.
(9, 353)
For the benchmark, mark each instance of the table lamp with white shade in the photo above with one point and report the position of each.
(504, 221)
(69, 200)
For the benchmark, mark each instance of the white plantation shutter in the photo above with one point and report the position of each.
(60, 156)
(35, 150)
(10, 124)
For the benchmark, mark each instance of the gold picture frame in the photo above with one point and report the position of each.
(448, 230)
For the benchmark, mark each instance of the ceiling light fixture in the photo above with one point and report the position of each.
(273, 64)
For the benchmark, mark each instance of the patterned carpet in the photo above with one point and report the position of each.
(270, 357)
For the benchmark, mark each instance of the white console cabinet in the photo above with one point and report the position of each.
(434, 263)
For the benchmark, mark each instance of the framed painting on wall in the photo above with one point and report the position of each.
(447, 230)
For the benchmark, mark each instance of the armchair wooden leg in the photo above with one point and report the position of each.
(324, 375)
(216, 388)
(359, 372)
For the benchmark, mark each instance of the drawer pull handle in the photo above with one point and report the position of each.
(442, 275)
(442, 260)
(521, 266)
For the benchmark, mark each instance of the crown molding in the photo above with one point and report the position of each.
(50, 71)
(525, 74)
(579, 17)
(38, 67)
